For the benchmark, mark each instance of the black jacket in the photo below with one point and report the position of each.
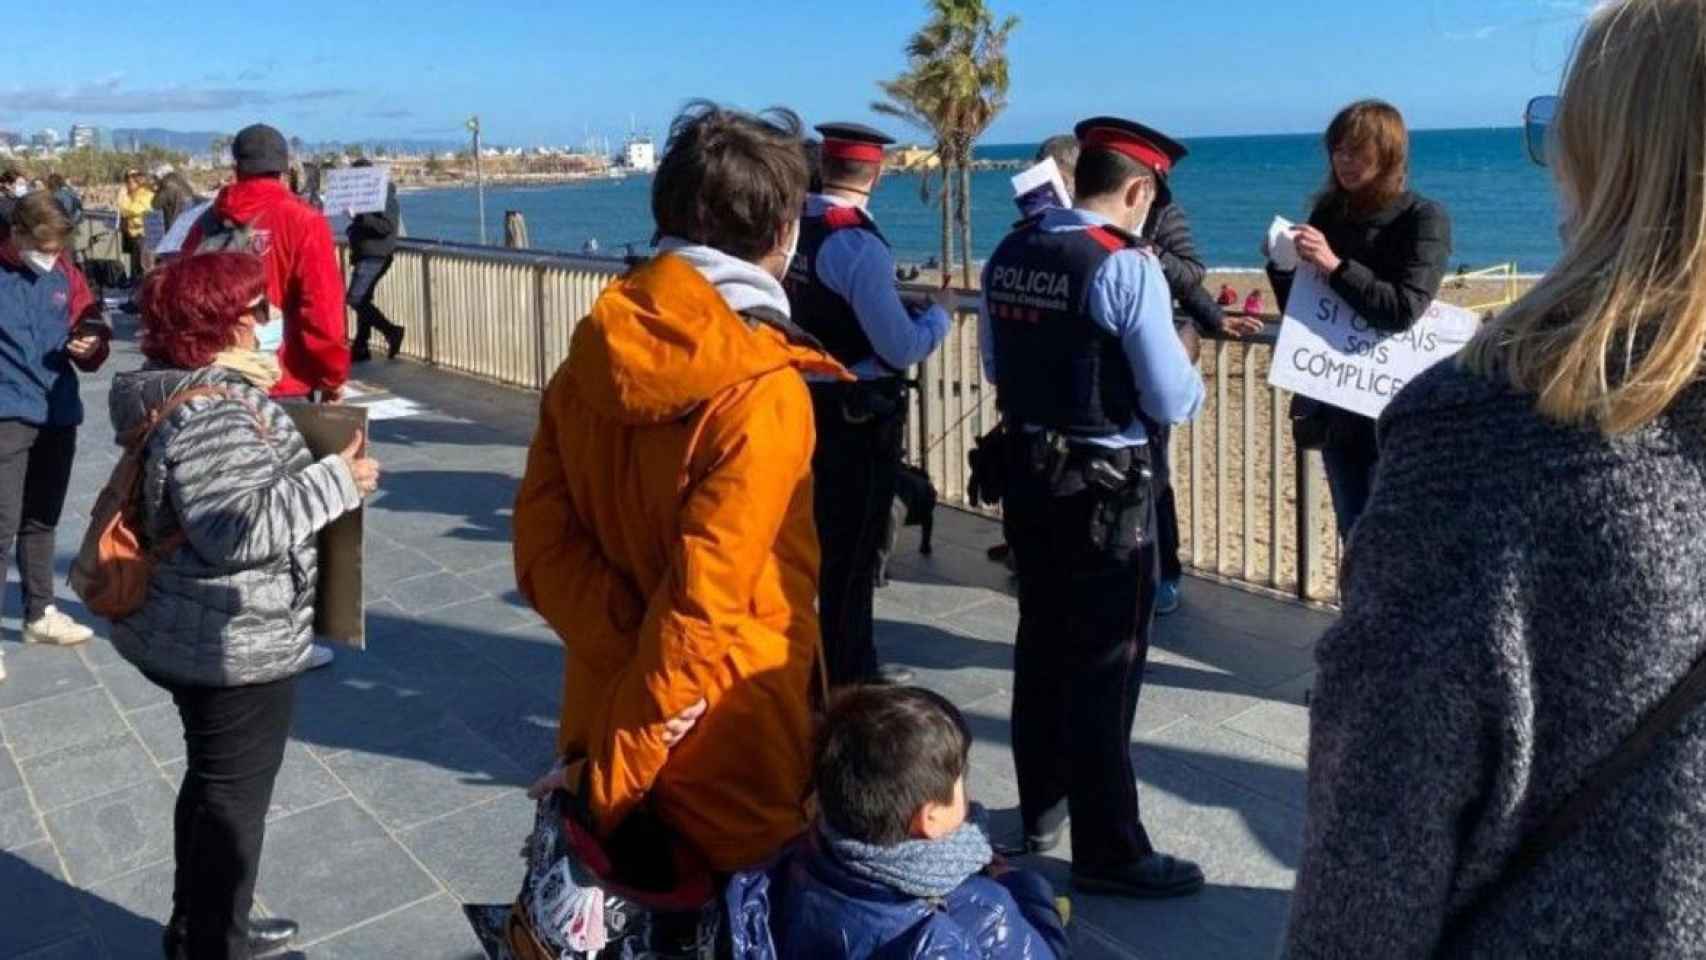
(174, 197)
(375, 234)
(1169, 233)
(1393, 264)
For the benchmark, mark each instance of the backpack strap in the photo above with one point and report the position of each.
(1670, 713)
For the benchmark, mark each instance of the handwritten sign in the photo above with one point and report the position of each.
(1039, 188)
(356, 189)
(1327, 352)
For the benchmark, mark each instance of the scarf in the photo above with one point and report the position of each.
(928, 869)
(258, 367)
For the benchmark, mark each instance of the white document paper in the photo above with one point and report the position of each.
(1282, 245)
(1327, 352)
(1040, 187)
(355, 189)
(173, 241)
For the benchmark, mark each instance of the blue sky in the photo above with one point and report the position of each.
(550, 71)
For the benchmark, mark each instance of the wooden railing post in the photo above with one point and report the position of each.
(515, 230)
(431, 355)
(541, 374)
(1308, 531)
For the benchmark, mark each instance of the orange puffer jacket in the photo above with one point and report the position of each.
(664, 530)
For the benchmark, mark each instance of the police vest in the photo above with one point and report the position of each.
(1055, 366)
(818, 310)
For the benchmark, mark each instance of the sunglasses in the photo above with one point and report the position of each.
(1537, 128)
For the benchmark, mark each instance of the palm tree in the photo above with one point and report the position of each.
(954, 87)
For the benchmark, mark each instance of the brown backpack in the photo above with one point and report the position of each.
(113, 567)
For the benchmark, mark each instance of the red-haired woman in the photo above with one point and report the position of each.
(1383, 249)
(234, 497)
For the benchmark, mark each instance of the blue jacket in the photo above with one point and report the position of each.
(808, 905)
(37, 383)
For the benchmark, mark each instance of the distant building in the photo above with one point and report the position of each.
(85, 137)
(640, 155)
(47, 137)
(10, 139)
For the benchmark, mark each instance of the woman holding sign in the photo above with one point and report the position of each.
(1383, 249)
(1507, 751)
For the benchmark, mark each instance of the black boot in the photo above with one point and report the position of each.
(271, 934)
(394, 341)
(1155, 877)
(359, 352)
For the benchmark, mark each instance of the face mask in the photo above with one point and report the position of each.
(42, 263)
(20, 189)
(269, 336)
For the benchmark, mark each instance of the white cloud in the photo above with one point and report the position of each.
(1472, 36)
(109, 96)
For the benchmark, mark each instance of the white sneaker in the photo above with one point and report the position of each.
(320, 655)
(2, 668)
(56, 629)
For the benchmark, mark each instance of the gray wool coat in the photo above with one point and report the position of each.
(234, 605)
(1516, 599)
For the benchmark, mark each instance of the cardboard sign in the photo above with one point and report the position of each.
(1040, 187)
(1327, 352)
(355, 189)
(340, 605)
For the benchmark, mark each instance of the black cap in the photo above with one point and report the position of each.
(260, 149)
(853, 141)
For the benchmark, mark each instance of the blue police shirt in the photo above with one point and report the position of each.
(1129, 298)
(859, 267)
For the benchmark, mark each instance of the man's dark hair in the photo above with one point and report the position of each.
(55, 181)
(882, 754)
(9, 176)
(730, 180)
(844, 172)
(1101, 172)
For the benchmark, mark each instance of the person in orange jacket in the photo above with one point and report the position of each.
(664, 527)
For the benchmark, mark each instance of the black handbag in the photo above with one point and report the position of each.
(1311, 423)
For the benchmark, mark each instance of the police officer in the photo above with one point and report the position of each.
(841, 288)
(1078, 336)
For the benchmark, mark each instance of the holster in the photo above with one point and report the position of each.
(988, 484)
(1119, 483)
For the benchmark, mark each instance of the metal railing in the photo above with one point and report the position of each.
(1251, 509)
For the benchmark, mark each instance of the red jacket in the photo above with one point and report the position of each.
(303, 280)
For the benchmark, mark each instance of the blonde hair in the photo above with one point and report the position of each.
(1616, 330)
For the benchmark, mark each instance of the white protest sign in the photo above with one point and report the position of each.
(356, 189)
(1327, 352)
(173, 242)
(1039, 188)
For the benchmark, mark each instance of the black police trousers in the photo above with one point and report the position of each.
(853, 474)
(1084, 616)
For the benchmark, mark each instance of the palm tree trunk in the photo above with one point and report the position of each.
(965, 218)
(947, 221)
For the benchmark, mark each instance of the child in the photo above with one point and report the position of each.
(894, 866)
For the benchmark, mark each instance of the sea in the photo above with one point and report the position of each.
(1503, 208)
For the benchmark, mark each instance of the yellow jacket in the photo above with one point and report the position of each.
(664, 529)
(132, 207)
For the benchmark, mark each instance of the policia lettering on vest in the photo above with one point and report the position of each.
(1078, 335)
(841, 290)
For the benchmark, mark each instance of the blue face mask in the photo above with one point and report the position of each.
(269, 336)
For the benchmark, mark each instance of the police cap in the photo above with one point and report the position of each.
(853, 141)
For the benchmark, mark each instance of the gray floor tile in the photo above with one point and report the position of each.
(1178, 686)
(161, 730)
(46, 726)
(332, 867)
(359, 702)
(131, 689)
(435, 590)
(9, 776)
(432, 930)
(432, 773)
(498, 580)
(1254, 764)
(36, 673)
(116, 833)
(130, 912)
(1285, 725)
(20, 826)
(99, 653)
(303, 782)
(35, 888)
(83, 946)
(937, 599)
(386, 567)
(474, 852)
(87, 770)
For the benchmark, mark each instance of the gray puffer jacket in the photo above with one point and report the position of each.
(235, 604)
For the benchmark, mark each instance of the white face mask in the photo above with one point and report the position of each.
(20, 189)
(42, 263)
(270, 336)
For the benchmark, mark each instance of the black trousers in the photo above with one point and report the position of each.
(853, 474)
(1084, 618)
(35, 472)
(235, 738)
(364, 279)
(1166, 505)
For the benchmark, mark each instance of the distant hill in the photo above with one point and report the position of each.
(192, 143)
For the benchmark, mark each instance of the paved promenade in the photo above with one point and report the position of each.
(401, 795)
